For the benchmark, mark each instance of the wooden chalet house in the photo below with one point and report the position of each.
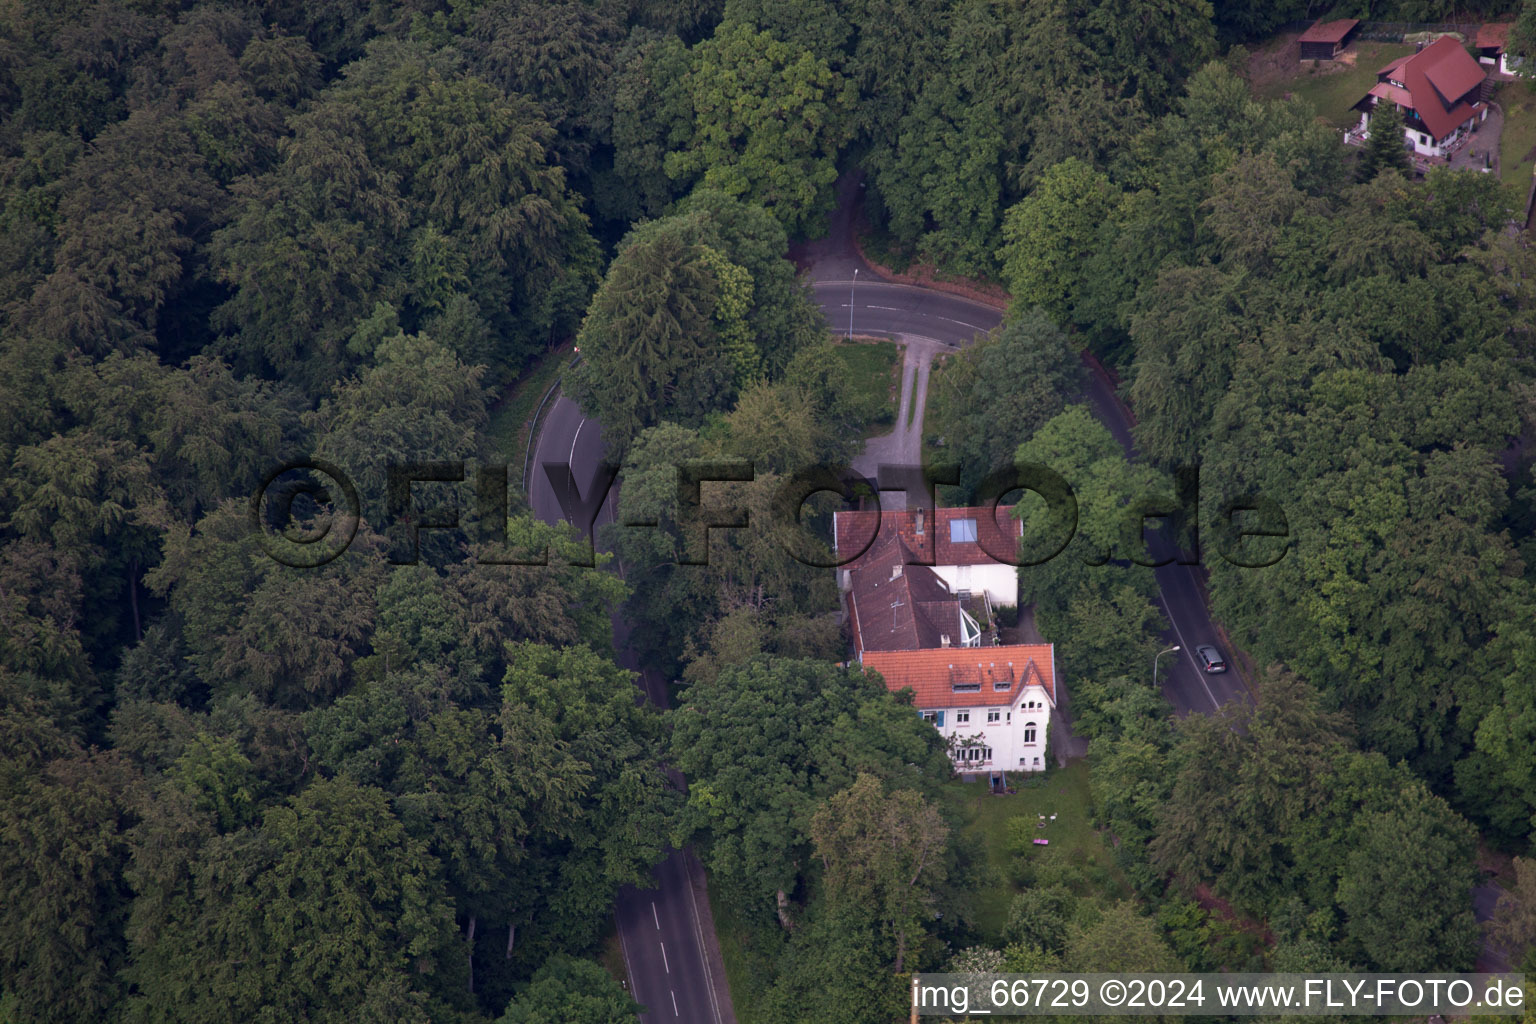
(1439, 89)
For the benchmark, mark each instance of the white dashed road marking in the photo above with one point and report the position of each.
(962, 323)
(1187, 650)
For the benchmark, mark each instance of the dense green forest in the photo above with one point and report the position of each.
(237, 233)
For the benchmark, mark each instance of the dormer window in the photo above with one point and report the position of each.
(962, 531)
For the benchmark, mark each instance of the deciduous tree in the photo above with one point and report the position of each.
(769, 120)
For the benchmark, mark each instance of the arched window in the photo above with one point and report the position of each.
(1029, 732)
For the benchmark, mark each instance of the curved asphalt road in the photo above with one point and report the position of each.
(948, 322)
(666, 931)
(670, 951)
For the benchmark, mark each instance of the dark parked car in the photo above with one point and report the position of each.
(1210, 658)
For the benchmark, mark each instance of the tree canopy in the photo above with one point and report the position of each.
(407, 782)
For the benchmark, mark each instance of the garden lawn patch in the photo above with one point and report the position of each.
(874, 367)
(986, 828)
(1517, 146)
(1334, 87)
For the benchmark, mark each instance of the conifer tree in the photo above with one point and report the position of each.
(1384, 148)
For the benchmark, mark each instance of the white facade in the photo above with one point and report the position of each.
(998, 738)
(999, 581)
(1422, 142)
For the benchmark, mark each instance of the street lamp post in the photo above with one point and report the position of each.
(1159, 654)
(850, 302)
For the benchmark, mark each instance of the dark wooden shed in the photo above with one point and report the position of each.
(1326, 39)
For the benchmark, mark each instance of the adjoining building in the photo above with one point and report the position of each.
(897, 605)
(1492, 45)
(970, 549)
(1325, 40)
(1439, 89)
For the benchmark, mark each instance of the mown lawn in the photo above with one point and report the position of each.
(749, 953)
(612, 955)
(750, 948)
(987, 828)
(1517, 146)
(874, 367)
(1334, 87)
(506, 436)
(912, 401)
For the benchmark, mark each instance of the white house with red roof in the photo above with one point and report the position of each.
(921, 592)
(992, 705)
(1439, 89)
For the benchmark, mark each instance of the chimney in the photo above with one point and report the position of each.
(944, 640)
(919, 529)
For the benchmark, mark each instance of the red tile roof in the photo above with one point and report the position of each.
(1455, 74)
(995, 536)
(1387, 91)
(1328, 32)
(1494, 35)
(1440, 77)
(989, 676)
(899, 612)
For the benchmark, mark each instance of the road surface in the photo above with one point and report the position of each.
(668, 937)
(1492, 959)
(666, 931)
(935, 322)
(929, 322)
